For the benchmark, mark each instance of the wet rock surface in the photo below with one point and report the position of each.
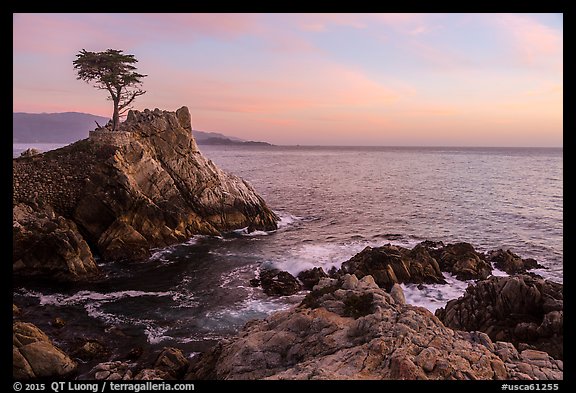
(275, 282)
(511, 263)
(35, 356)
(524, 310)
(389, 265)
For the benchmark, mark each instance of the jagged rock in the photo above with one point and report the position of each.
(134, 353)
(34, 355)
(524, 310)
(15, 310)
(152, 374)
(112, 371)
(462, 260)
(45, 243)
(311, 277)
(172, 362)
(30, 152)
(154, 190)
(511, 263)
(275, 282)
(356, 330)
(58, 322)
(389, 265)
(90, 349)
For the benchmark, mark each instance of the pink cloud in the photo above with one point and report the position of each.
(533, 41)
(226, 26)
(398, 21)
(61, 33)
(305, 86)
(55, 33)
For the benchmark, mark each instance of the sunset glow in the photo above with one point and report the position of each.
(316, 79)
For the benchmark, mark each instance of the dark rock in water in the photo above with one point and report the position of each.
(431, 244)
(355, 330)
(34, 355)
(275, 282)
(524, 310)
(511, 263)
(48, 244)
(134, 353)
(462, 260)
(90, 349)
(126, 192)
(58, 323)
(334, 272)
(393, 264)
(310, 277)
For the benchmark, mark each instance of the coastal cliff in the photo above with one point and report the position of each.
(119, 194)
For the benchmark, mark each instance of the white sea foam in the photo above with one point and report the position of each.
(499, 273)
(435, 296)
(287, 219)
(327, 255)
(249, 309)
(160, 254)
(156, 334)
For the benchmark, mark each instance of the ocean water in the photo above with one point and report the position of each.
(333, 202)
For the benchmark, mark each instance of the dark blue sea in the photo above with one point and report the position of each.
(333, 202)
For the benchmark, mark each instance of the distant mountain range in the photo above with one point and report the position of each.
(68, 127)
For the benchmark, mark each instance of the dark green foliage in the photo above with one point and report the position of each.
(111, 70)
(358, 306)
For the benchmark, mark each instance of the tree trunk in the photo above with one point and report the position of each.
(116, 115)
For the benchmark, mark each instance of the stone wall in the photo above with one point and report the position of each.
(114, 138)
(58, 177)
(58, 184)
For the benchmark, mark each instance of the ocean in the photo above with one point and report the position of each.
(333, 202)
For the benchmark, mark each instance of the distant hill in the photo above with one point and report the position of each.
(68, 127)
(205, 135)
(227, 141)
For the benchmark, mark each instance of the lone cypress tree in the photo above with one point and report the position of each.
(114, 71)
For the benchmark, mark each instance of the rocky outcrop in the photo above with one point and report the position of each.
(352, 329)
(524, 310)
(48, 244)
(34, 355)
(30, 152)
(511, 263)
(390, 264)
(309, 278)
(170, 364)
(112, 371)
(462, 260)
(153, 190)
(276, 282)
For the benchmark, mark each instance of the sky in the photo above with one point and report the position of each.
(315, 79)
